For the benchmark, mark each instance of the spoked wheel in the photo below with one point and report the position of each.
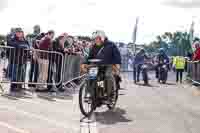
(165, 77)
(161, 76)
(86, 102)
(145, 78)
(114, 95)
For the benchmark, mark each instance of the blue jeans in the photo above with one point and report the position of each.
(16, 74)
(136, 72)
(34, 72)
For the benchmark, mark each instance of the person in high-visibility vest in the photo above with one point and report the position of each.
(173, 61)
(179, 64)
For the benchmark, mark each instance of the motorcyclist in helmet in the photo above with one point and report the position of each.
(109, 55)
(138, 62)
(161, 59)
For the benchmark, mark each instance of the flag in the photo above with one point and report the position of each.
(135, 35)
(135, 31)
(191, 35)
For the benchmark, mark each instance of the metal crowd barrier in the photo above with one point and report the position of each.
(193, 68)
(71, 69)
(125, 63)
(33, 67)
(38, 68)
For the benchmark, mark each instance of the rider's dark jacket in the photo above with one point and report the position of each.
(108, 53)
(161, 57)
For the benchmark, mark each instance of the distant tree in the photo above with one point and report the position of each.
(174, 43)
(196, 39)
(2, 37)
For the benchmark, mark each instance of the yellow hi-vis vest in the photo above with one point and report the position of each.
(179, 62)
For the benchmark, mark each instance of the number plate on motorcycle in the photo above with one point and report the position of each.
(93, 72)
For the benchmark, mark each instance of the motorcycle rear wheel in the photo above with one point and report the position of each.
(115, 94)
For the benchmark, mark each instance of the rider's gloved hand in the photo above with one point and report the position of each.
(83, 68)
(116, 69)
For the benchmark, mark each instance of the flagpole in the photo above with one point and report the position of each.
(135, 36)
(191, 34)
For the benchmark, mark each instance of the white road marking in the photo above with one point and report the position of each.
(18, 130)
(75, 103)
(31, 101)
(89, 127)
(93, 126)
(40, 117)
(85, 127)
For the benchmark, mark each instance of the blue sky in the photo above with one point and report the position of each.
(115, 17)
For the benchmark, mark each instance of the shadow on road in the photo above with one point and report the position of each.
(47, 97)
(122, 89)
(88, 120)
(149, 85)
(170, 84)
(9, 97)
(112, 117)
(17, 96)
(50, 97)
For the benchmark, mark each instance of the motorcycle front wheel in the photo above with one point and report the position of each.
(165, 77)
(145, 77)
(86, 100)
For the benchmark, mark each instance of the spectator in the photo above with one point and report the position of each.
(32, 37)
(137, 64)
(46, 42)
(55, 61)
(10, 36)
(173, 61)
(179, 64)
(36, 30)
(17, 60)
(34, 68)
(43, 60)
(189, 56)
(86, 50)
(3, 43)
(196, 56)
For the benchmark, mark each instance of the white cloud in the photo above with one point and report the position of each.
(116, 17)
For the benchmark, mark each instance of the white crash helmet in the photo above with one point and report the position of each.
(99, 33)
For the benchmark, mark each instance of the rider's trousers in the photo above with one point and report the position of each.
(108, 80)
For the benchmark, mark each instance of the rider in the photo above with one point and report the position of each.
(138, 62)
(109, 55)
(161, 59)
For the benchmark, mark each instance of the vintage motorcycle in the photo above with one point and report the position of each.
(93, 93)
